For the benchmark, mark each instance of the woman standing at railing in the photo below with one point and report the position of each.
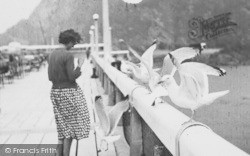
(70, 108)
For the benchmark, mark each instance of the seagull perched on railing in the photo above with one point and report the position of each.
(193, 91)
(140, 70)
(144, 71)
(109, 120)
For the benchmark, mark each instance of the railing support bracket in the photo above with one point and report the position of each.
(184, 127)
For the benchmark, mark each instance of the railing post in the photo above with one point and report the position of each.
(103, 77)
(136, 145)
(152, 146)
(105, 83)
(111, 93)
(159, 150)
(94, 73)
(91, 39)
(96, 17)
(99, 72)
(118, 97)
(106, 29)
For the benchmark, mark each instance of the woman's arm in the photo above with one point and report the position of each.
(72, 73)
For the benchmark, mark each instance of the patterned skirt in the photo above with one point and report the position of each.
(71, 113)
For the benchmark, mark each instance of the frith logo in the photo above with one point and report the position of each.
(207, 29)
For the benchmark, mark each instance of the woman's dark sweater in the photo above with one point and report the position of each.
(61, 70)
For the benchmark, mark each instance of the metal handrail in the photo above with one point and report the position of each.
(166, 121)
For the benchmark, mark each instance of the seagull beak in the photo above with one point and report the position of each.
(204, 46)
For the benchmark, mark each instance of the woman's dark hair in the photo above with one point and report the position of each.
(68, 36)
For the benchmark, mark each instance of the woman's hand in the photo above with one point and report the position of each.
(80, 62)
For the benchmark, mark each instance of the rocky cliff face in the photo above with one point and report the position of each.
(51, 17)
(166, 20)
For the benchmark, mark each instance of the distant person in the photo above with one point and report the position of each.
(4, 68)
(12, 64)
(88, 52)
(11, 58)
(69, 104)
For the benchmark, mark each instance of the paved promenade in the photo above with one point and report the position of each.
(27, 114)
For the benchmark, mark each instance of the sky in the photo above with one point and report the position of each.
(12, 11)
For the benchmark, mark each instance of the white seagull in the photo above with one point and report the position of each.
(140, 70)
(109, 120)
(193, 91)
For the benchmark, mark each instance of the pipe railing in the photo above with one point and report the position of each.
(118, 52)
(165, 121)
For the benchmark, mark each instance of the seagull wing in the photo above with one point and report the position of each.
(147, 56)
(189, 86)
(208, 99)
(167, 66)
(208, 70)
(128, 56)
(179, 55)
(116, 113)
(135, 53)
(130, 49)
(103, 117)
(184, 53)
(189, 69)
(147, 61)
(200, 72)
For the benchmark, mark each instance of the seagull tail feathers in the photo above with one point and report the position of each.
(211, 97)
